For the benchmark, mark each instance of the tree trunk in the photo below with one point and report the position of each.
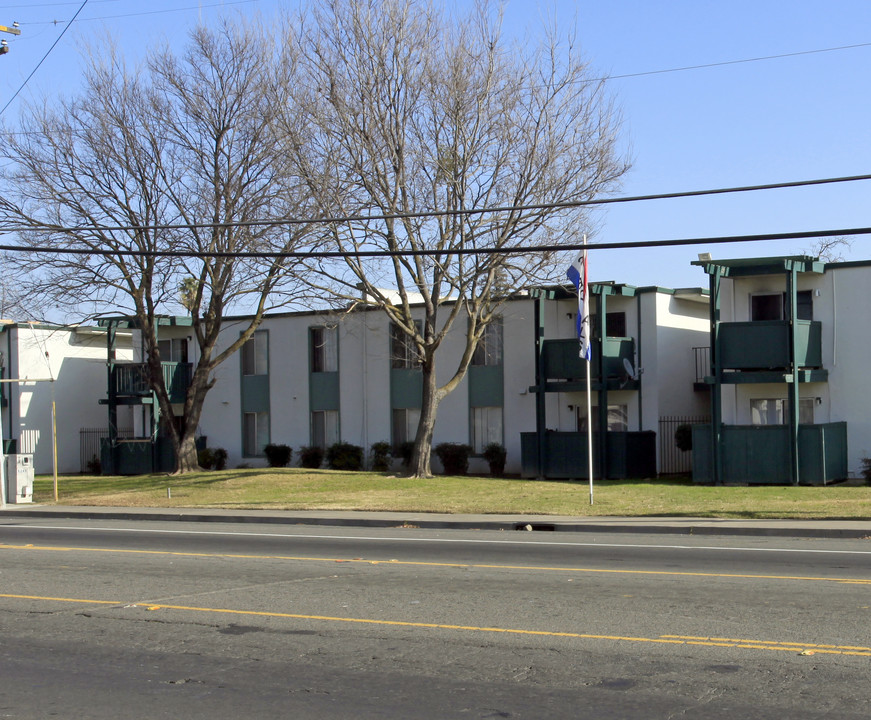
(187, 460)
(420, 458)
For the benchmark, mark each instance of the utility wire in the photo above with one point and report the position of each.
(39, 64)
(465, 212)
(516, 250)
(735, 62)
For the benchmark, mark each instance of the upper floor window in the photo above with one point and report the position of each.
(772, 411)
(772, 306)
(489, 348)
(403, 349)
(255, 354)
(173, 350)
(615, 324)
(324, 355)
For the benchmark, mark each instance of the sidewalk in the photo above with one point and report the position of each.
(535, 523)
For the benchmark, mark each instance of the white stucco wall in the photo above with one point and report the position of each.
(76, 359)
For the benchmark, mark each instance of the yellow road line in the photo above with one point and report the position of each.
(415, 563)
(794, 647)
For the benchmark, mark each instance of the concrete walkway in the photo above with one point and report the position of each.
(535, 523)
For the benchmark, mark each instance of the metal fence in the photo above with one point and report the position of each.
(89, 445)
(672, 460)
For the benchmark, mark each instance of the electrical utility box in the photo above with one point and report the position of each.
(19, 478)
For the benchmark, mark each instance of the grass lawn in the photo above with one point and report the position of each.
(298, 489)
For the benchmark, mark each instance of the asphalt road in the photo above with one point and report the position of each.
(104, 619)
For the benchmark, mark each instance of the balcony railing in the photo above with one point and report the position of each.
(560, 359)
(131, 379)
(764, 345)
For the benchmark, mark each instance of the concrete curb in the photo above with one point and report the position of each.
(673, 526)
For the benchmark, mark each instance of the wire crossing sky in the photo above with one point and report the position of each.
(722, 95)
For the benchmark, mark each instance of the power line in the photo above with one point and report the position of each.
(516, 250)
(473, 211)
(735, 62)
(39, 64)
(150, 12)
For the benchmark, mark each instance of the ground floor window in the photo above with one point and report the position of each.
(405, 422)
(618, 417)
(486, 427)
(772, 411)
(325, 428)
(255, 433)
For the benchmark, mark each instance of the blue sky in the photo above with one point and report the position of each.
(777, 120)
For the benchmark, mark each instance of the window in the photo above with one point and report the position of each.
(615, 324)
(255, 354)
(618, 418)
(403, 350)
(173, 350)
(486, 427)
(325, 428)
(323, 342)
(772, 411)
(405, 422)
(489, 348)
(255, 433)
(772, 306)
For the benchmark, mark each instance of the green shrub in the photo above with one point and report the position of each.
(866, 470)
(683, 437)
(311, 456)
(344, 456)
(495, 455)
(404, 450)
(278, 455)
(380, 456)
(454, 457)
(95, 467)
(212, 458)
(220, 457)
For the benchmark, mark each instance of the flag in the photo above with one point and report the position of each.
(577, 274)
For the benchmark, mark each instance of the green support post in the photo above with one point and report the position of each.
(792, 377)
(540, 397)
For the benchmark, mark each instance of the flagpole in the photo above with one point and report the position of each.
(577, 273)
(589, 433)
(589, 373)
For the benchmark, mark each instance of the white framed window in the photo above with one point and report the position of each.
(405, 422)
(255, 433)
(403, 349)
(255, 354)
(324, 349)
(772, 306)
(173, 350)
(488, 351)
(486, 427)
(325, 428)
(772, 411)
(618, 417)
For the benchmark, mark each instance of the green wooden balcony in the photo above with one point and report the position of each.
(130, 380)
(764, 345)
(560, 359)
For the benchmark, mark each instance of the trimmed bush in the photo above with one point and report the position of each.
(404, 451)
(454, 457)
(311, 457)
(683, 437)
(866, 470)
(220, 458)
(495, 455)
(344, 456)
(380, 456)
(278, 455)
(212, 458)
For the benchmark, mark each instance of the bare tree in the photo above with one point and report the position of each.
(179, 156)
(830, 249)
(449, 140)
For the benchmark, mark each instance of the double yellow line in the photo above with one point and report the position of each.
(742, 643)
